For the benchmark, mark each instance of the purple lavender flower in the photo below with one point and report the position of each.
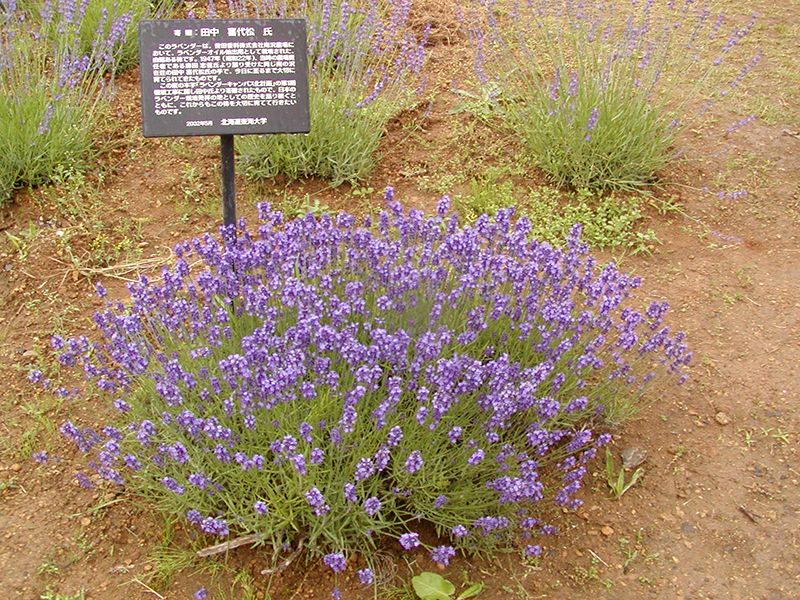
(414, 462)
(317, 456)
(459, 531)
(476, 457)
(409, 540)
(194, 516)
(200, 594)
(573, 84)
(84, 481)
(260, 507)
(443, 205)
(335, 561)
(173, 486)
(442, 554)
(364, 469)
(395, 435)
(199, 480)
(372, 505)
(366, 576)
(215, 526)
(533, 550)
(454, 434)
(316, 500)
(350, 492)
(548, 530)
(602, 440)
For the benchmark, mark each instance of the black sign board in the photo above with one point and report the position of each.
(223, 76)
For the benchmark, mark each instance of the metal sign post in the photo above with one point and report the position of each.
(223, 77)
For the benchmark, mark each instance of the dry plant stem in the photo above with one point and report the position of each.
(750, 515)
(148, 588)
(229, 545)
(288, 560)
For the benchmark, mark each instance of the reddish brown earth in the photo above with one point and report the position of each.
(717, 513)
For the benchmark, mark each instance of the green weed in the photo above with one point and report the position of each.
(617, 479)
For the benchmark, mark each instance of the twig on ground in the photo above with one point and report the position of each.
(597, 557)
(229, 545)
(287, 561)
(148, 588)
(750, 515)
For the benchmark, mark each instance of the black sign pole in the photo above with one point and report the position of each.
(228, 182)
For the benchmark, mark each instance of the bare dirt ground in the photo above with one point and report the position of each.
(717, 512)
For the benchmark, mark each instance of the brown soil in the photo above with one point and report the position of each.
(716, 514)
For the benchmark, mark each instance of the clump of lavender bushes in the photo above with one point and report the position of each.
(365, 69)
(343, 381)
(106, 28)
(51, 99)
(605, 90)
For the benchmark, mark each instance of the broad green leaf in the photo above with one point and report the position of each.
(473, 590)
(430, 586)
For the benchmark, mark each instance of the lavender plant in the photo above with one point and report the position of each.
(104, 28)
(606, 89)
(51, 101)
(365, 68)
(341, 382)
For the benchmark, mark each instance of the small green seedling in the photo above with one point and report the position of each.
(430, 586)
(483, 104)
(616, 479)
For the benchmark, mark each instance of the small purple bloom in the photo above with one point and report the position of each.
(533, 550)
(84, 481)
(372, 505)
(194, 516)
(395, 435)
(459, 531)
(201, 594)
(335, 561)
(443, 206)
(317, 456)
(414, 462)
(364, 469)
(409, 540)
(548, 529)
(215, 526)
(350, 492)
(317, 501)
(476, 457)
(454, 434)
(443, 554)
(366, 576)
(132, 462)
(592, 120)
(602, 440)
(260, 507)
(173, 486)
